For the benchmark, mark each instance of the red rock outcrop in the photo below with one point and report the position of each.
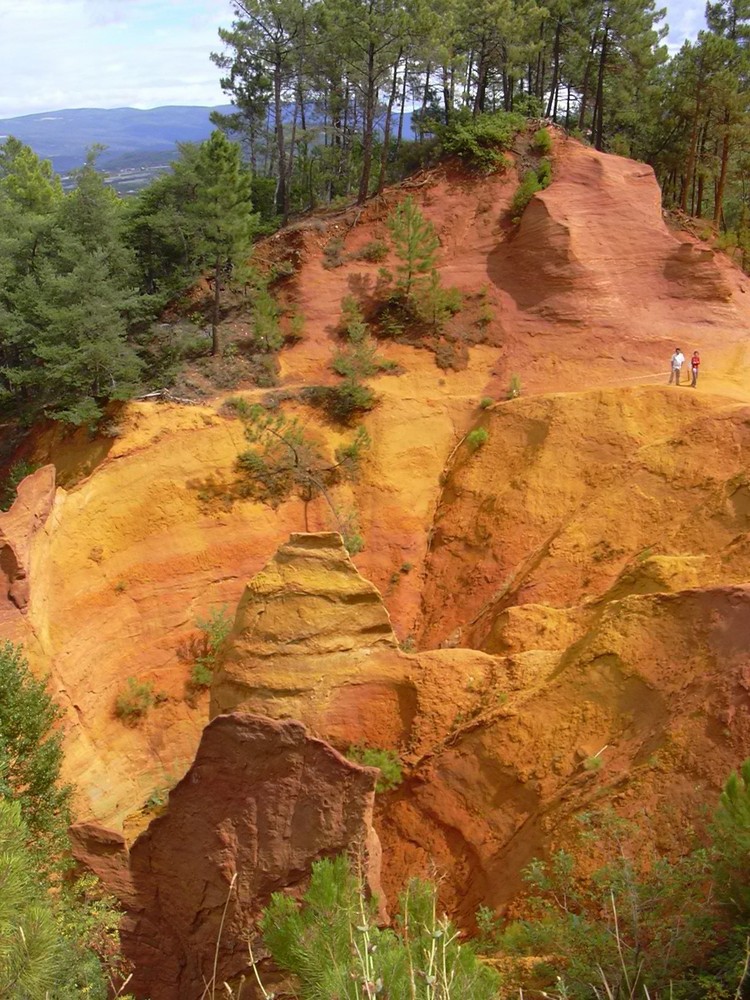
(26, 517)
(260, 804)
(593, 249)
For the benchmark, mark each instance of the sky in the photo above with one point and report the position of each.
(57, 54)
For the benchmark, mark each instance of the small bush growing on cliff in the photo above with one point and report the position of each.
(135, 701)
(542, 141)
(374, 251)
(284, 459)
(386, 760)
(215, 630)
(332, 944)
(476, 439)
(533, 181)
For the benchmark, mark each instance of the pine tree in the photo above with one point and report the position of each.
(29, 939)
(333, 945)
(222, 213)
(31, 752)
(416, 244)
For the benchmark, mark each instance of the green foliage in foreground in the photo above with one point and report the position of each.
(677, 928)
(332, 944)
(31, 752)
(386, 760)
(53, 929)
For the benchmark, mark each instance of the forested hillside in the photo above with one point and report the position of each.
(333, 100)
(350, 69)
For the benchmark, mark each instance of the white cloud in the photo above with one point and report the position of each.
(140, 53)
(109, 53)
(685, 19)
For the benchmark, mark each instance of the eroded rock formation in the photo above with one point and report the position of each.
(312, 640)
(261, 802)
(18, 527)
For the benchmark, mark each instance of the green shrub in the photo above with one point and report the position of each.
(514, 388)
(343, 402)
(332, 944)
(624, 914)
(215, 630)
(477, 438)
(524, 193)
(374, 251)
(542, 141)
(31, 749)
(386, 760)
(533, 181)
(485, 402)
(480, 141)
(544, 173)
(135, 701)
(592, 763)
(333, 253)
(296, 328)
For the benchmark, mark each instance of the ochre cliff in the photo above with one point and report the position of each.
(575, 586)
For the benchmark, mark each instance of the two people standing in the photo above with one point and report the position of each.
(678, 360)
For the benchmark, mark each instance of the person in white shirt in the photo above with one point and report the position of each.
(678, 360)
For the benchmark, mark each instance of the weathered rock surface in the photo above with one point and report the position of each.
(312, 640)
(645, 710)
(145, 536)
(593, 248)
(18, 526)
(601, 494)
(261, 802)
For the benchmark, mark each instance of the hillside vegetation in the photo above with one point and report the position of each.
(368, 566)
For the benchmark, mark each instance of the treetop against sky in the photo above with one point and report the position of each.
(140, 53)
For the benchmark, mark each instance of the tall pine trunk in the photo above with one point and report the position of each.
(368, 126)
(692, 152)
(598, 122)
(216, 345)
(282, 194)
(719, 200)
(552, 102)
(585, 84)
(425, 96)
(387, 129)
(403, 105)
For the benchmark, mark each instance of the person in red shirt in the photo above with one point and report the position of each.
(695, 363)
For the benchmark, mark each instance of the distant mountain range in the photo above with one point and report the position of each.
(132, 138)
(138, 144)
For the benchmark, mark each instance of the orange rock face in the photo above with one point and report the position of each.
(582, 572)
(261, 802)
(312, 640)
(18, 526)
